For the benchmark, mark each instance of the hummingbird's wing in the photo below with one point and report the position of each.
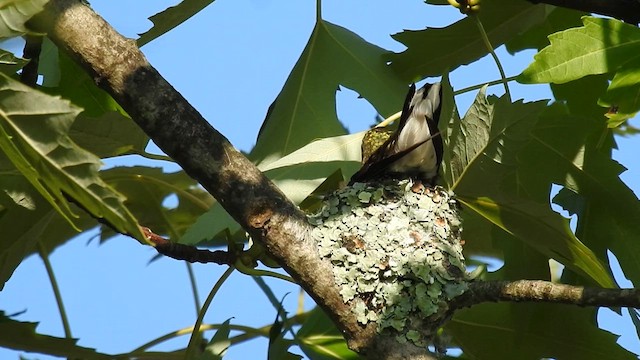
(415, 148)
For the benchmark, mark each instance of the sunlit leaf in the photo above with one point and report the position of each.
(35, 138)
(14, 14)
(305, 109)
(301, 172)
(598, 47)
(624, 92)
(297, 175)
(464, 139)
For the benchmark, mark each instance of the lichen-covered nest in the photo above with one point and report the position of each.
(396, 254)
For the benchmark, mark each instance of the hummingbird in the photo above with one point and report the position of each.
(415, 149)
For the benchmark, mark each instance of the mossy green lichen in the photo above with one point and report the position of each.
(396, 254)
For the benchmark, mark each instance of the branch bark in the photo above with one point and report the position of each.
(625, 10)
(119, 67)
(545, 291)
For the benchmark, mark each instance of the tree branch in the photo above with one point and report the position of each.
(625, 10)
(119, 67)
(545, 291)
(186, 252)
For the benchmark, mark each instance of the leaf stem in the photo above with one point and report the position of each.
(151, 156)
(259, 272)
(318, 10)
(248, 333)
(478, 86)
(191, 348)
(246, 330)
(56, 290)
(487, 43)
(194, 287)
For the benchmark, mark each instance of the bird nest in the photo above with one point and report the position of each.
(396, 254)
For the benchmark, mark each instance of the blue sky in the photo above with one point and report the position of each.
(230, 62)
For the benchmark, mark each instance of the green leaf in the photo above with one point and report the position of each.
(319, 339)
(464, 139)
(278, 350)
(9, 63)
(214, 224)
(532, 331)
(34, 135)
(146, 190)
(16, 245)
(170, 18)
(297, 175)
(432, 51)
(491, 185)
(103, 128)
(449, 127)
(558, 19)
(217, 347)
(305, 109)
(15, 13)
(607, 209)
(28, 218)
(19, 335)
(49, 65)
(624, 92)
(78, 87)
(108, 135)
(544, 230)
(599, 47)
(581, 95)
(301, 172)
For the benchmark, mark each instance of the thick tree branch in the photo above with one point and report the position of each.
(545, 291)
(119, 67)
(625, 10)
